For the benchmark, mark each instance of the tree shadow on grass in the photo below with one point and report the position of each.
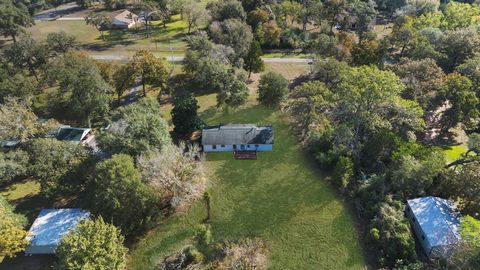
(31, 205)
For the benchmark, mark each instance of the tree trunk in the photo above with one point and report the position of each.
(14, 38)
(32, 70)
(143, 87)
(189, 28)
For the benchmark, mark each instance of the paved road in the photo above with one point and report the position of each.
(51, 14)
(180, 58)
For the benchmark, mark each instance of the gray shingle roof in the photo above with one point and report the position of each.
(237, 134)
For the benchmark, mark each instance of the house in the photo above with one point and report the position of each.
(72, 134)
(237, 138)
(435, 223)
(49, 228)
(124, 20)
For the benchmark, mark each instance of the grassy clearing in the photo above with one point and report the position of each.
(280, 197)
(25, 196)
(455, 152)
(163, 41)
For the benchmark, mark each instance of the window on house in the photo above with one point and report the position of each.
(413, 220)
(423, 237)
(214, 146)
(223, 145)
(242, 146)
(256, 145)
(234, 147)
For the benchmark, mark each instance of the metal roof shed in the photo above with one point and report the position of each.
(435, 223)
(49, 228)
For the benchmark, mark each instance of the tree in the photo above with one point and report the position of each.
(56, 164)
(115, 4)
(233, 89)
(184, 114)
(136, 128)
(194, 13)
(17, 120)
(391, 232)
(334, 12)
(291, 10)
(423, 80)
(224, 10)
(27, 54)
(117, 193)
(99, 20)
(458, 46)
(257, 17)
(471, 69)
(12, 164)
(463, 185)
(368, 101)
(92, 244)
(460, 15)
(458, 91)
(123, 78)
(61, 42)
(14, 17)
(149, 69)
(174, 173)
(271, 34)
(366, 53)
(363, 13)
(329, 70)
(82, 88)
(272, 89)
(12, 232)
(253, 60)
(233, 33)
(147, 9)
(16, 84)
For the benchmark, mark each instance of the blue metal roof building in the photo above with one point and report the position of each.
(49, 228)
(435, 223)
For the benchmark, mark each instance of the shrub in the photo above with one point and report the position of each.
(343, 172)
(12, 164)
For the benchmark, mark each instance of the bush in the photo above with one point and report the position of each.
(93, 244)
(343, 172)
(12, 233)
(272, 89)
(12, 165)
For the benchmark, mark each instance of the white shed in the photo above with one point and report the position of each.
(49, 228)
(238, 137)
(435, 223)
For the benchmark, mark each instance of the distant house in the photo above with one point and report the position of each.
(72, 134)
(49, 228)
(435, 223)
(124, 20)
(240, 137)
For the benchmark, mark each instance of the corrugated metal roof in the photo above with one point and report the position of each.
(437, 218)
(51, 225)
(237, 134)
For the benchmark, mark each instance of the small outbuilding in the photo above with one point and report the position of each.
(125, 20)
(237, 138)
(49, 228)
(72, 134)
(435, 223)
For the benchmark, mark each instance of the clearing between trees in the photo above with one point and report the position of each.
(280, 197)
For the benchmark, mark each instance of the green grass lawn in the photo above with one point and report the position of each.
(163, 41)
(453, 153)
(280, 197)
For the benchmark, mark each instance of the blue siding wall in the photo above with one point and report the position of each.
(247, 147)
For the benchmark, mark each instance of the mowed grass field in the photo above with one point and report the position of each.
(280, 197)
(164, 41)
